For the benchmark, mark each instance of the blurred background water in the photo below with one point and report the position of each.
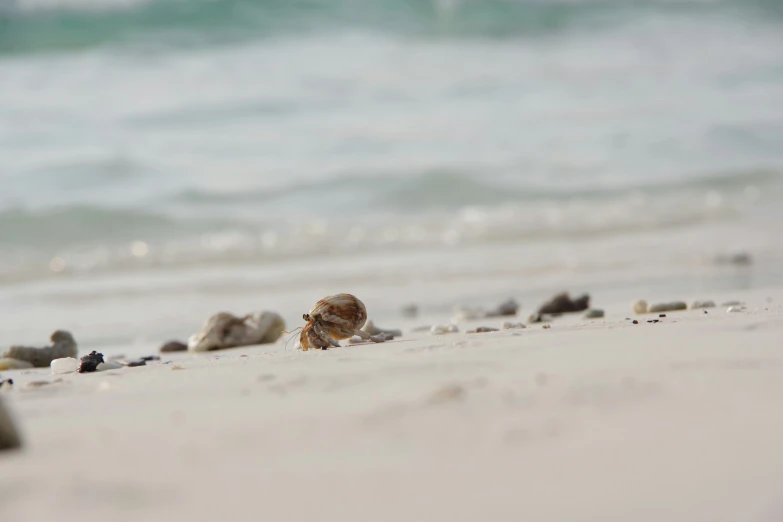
(216, 146)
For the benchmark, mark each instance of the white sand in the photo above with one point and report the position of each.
(588, 421)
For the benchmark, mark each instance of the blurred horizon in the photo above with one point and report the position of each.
(166, 133)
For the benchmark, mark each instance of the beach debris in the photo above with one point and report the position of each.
(224, 330)
(7, 363)
(89, 363)
(9, 437)
(173, 346)
(594, 313)
(672, 306)
(640, 307)
(333, 318)
(111, 365)
(63, 345)
(441, 329)
(64, 365)
(508, 325)
(410, 310)
(506, 308)
(371, 329)
(483, 329)
(735, 309)
(697, 305)
(562, 303)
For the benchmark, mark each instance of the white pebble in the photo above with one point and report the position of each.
(108, 366)
(640, 307)
(507, 325)
(733, 309)
(64, 365)
(440, 329)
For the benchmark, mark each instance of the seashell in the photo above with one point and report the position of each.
(333, 318)
(225, 330)
(371, 329)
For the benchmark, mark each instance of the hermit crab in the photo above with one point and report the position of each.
(333, 318)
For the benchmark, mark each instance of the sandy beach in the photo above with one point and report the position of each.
(679, 420)
(166, 162)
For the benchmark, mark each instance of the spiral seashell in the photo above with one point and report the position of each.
(335, 317)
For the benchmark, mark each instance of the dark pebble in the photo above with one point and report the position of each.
(706, 312)
(90, 362)
(140, 362)
(661, 315)
(635, 321)
(174, 346)
(150, 358)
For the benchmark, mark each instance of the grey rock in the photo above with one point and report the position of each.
(63, 345)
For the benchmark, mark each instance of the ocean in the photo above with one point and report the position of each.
(161, 160)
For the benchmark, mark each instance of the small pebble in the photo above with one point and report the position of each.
(134, 364)
(667, 307)
(547, 326)
(661, 315)
(174, 346)
(734, 309)
(64, 365)
(640, 307)
(635, 321)
(410, 310)
(102, 367)
(89, 363)
(594, 313)
(652, 321)
(507, 325)
(696, 305)
(440, 329)
(483, 329)
(150, 358)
